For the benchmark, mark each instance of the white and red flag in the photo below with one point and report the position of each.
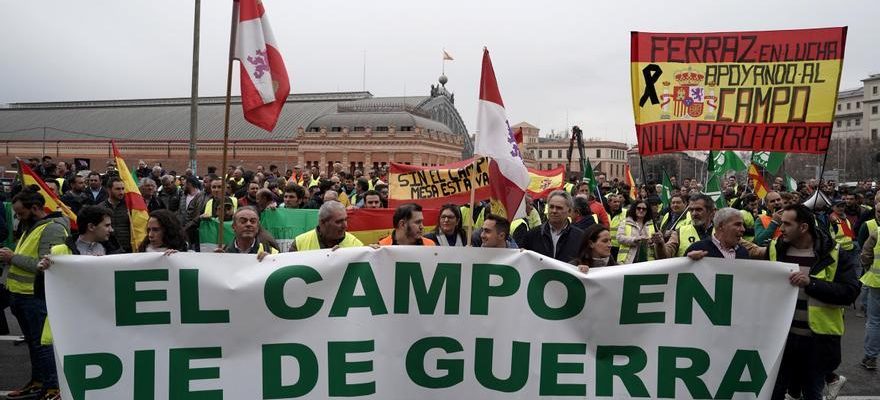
(508, 176)
(264, 81)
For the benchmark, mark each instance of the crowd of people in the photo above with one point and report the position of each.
(830, 231)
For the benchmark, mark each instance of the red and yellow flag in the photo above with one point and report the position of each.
(633, 190)
(371, 224)
(542, 182)
(755, 91)
(138, 214)
(53, 203)
(760, 186)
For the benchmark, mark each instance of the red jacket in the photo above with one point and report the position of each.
(596, 208)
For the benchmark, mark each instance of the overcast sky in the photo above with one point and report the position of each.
(557, 62)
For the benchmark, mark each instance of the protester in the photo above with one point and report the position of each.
(616, 215)
(96, 191)
(495, 232)
(724, 241)
(581, 216)
(767, 226)
(449, 230)
(121, 219)
(330, 232)
(164, 233)
(76, 197)
(826, 282)
(39, 232)
(408, 226)
(293, 196)
(556, 238)
(372, 199)
(148, 192)
(169, 194)
(210, 209)
(250, 238)
(595, 249)
(637, 236)
(677, 215)
(192, 202)
(870, 260)
(702, 210)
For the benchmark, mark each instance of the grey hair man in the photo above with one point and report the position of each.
(330, 232)
(724, 241)
(556, 238)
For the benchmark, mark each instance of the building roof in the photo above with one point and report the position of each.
(168, 119)
(525, 124)
(846, 93)
(557, 142)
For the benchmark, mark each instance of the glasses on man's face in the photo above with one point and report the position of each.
(641, 209)
(447, 217)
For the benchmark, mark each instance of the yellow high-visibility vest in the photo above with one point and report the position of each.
(823, 318)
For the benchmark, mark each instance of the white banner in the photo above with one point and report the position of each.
(415, 323)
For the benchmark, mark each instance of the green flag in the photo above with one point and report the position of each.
(666, 194)
(282, 223)
(769, 160)
(713, 190)
(588, 175)
(723, 161)
(790, 184)
(285, 224)
(208, 234)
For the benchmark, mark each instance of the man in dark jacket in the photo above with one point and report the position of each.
(97, 193)
(170, 194)
(827, 283)
(724, 241)
(581, 216)
(120, 218)
(556, 238)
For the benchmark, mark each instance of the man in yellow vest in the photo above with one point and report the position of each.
(616, 216)
(330, 232)
(677, 207)
(827, 282)
(870, 259)
(702, 210)
(40, 231)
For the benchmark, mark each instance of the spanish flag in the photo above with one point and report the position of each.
(137, 209)
(633, 190)
(542, 182)
(370, 225)
(760, 186)
(53, 203)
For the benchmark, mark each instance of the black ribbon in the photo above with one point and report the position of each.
(652, 73)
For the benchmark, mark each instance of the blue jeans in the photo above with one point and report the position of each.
(872, 323)
(30, 312)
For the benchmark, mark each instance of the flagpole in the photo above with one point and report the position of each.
(232, 38)
(470, 220)
(194, 92)
(645, 182)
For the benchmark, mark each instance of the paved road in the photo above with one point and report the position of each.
(861, 384)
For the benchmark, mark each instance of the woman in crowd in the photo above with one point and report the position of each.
(595, 249)
(164, 233)
(449, 231)
(635, 233)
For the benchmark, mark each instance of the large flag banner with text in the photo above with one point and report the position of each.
(432, 187)
(758, 91)
(408, 322)
(369, 225)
